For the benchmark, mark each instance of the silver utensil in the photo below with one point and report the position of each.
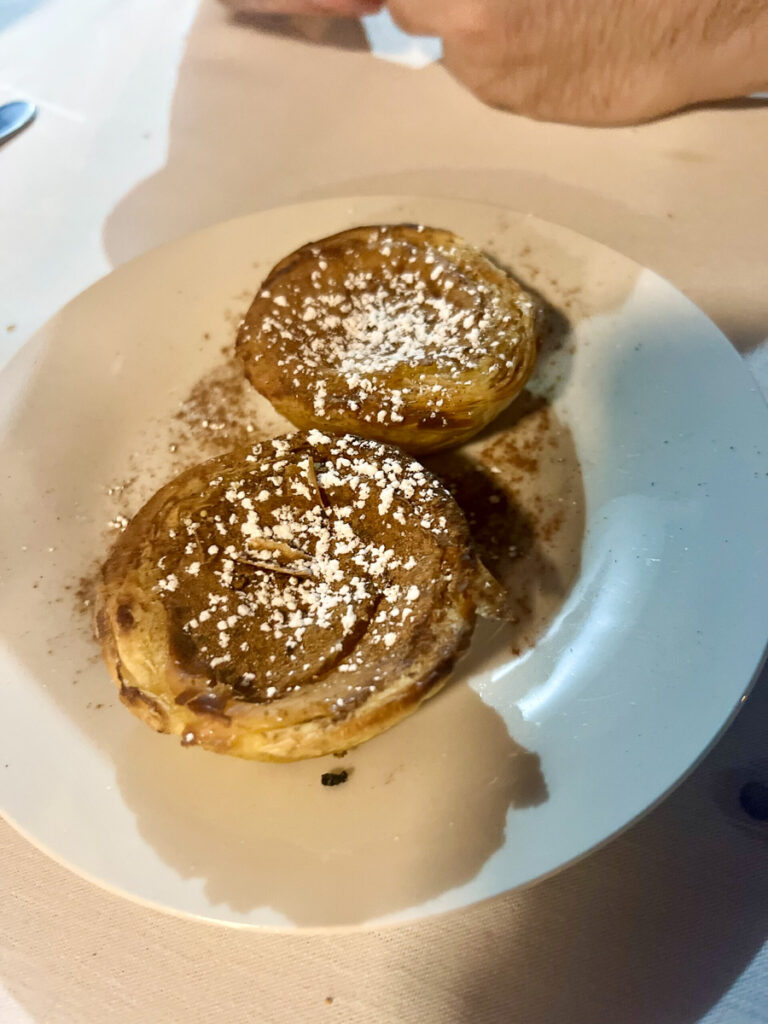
(14, 116)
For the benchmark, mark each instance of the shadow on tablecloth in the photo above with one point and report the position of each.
(655, 927)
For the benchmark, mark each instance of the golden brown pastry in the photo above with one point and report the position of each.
(401, 333)
(290, 600)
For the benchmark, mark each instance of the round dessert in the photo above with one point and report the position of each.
(291, 599)
(401, 333)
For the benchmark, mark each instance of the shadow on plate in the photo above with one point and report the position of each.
(420, 813)
(520, 486)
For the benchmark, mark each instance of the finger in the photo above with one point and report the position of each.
(348, 8)
(333, 8)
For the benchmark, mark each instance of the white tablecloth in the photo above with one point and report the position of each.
(157, 119)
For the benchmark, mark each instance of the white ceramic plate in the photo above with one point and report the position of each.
(523, 764)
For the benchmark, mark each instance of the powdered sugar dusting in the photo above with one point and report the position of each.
(297, 571)
(347, 323)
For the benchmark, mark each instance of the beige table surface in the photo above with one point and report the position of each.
(158, 121)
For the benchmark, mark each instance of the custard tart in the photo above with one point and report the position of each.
(401, 333)
(291, 599)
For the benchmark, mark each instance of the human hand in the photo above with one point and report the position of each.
(597, 61)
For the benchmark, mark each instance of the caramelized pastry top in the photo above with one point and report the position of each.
(393, 331)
